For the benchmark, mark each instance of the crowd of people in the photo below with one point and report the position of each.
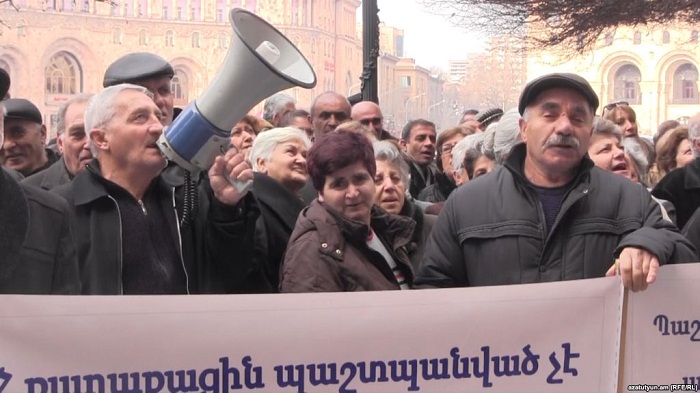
(547, 191)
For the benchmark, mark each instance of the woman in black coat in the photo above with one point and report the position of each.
(278, 158)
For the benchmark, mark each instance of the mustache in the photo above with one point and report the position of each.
(562, 140)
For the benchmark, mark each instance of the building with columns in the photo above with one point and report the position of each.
(654, 71)
(56, 48)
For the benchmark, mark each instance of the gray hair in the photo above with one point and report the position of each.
(101, 108)
(606, 127)
(276, 104)
(636, 152)
(77, 99)
(500, 137)
(694, 134)
(265, 143)
(460, 149)
(388, 152)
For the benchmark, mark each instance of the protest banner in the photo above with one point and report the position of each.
(662, 344)
(558, 337)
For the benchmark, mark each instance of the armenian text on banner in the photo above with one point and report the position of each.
(557, 337)
(662, 344)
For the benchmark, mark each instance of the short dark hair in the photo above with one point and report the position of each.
(664, 128)
(337, 150)
(298, 113)
(406, 133)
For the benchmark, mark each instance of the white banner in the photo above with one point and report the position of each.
(662, 346)
(558, 337)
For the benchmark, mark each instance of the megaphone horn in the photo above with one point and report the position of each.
(261, 61)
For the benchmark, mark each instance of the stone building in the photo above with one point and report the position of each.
(654, 71)
(56, 48)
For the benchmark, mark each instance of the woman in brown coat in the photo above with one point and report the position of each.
(341, 242)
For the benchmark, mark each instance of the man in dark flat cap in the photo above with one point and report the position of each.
(25, 138)
(37, 254)
(549, 214)
(148, 70)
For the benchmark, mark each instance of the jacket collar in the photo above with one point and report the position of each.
(89, 184)
(692, 175)
(270, 192)
(516, 160)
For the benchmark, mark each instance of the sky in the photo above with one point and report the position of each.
(428, 38)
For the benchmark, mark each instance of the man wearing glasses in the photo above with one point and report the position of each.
(369, 114)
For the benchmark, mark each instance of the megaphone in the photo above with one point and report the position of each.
(261, 61)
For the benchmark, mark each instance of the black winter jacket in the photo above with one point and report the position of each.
(51, 177)
(681, 187)
(492, 230)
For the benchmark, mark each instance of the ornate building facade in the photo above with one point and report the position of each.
(654, 71)
(56, 48)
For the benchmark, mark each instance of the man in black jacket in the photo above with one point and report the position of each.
(549, 214)
(72, 141)
(37, 255)
(129, 236)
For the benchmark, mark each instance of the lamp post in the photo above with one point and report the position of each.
(370, 50)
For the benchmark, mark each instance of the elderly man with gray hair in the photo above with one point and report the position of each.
(277, 109)
(681, 187)
(72, 142)
(128, 233)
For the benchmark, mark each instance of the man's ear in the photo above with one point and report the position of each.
(523, 126)
(59, 142)
(42, 131)
(320, 196)
(403, 144)
(99, 138)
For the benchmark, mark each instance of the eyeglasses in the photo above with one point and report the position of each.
(612, 105)
(447, 149)
(374, 120)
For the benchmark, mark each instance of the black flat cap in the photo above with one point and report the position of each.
(4, 83)
(136, 66)
(549, 81)
(19, 108)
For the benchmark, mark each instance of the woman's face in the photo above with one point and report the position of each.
(349, 192)
(287, 165)
(607, 153)
(390, 190)
(627, 122)
(242, 137)
(684, 155)
(446, 154)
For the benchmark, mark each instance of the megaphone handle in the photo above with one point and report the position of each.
(241, 186)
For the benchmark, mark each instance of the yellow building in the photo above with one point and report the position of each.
(655, 71)
(55, 48)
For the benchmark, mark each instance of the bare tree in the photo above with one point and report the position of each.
(571, 25)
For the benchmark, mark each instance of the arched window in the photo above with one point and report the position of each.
(685, 84)
(179, 87)
(117, 35)
(195, 40)
(637, 38)
(63, 75)
(626, 84)
(223, 40)
(169, 38)
(143, 38)
(666, 37)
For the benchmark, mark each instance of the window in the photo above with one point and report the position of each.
(193, 13)
(666, 37)
(114, 8)
(143, 39)
(295, 12)
(169, 38)
(219, 16)
(166, 12)
(116, 36)
(223, 41)
(195, 40)
(179, 13)
(179, 87)
(67, 5)
(405, 81)
(637, 38)
(220, 10)
(626, 84)
(63, 75)
(86, 6)
(685, 84)
(142, 7)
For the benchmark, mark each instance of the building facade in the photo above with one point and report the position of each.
(56, 48)
(654, 71)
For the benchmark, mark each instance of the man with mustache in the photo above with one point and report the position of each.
(418, 142)
(549, 214)
(72, 141)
